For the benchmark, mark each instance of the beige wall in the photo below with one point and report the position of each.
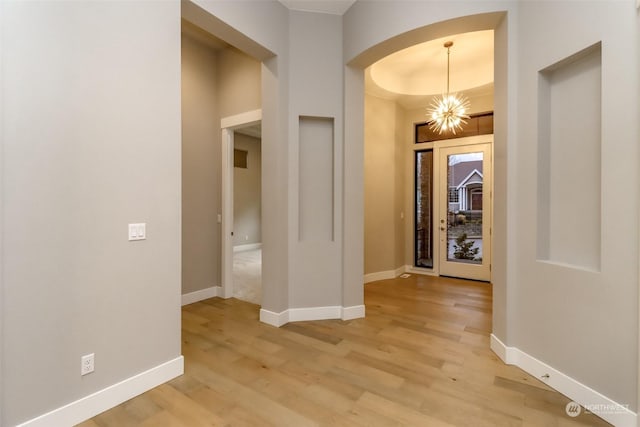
(93, 143)
(262, 28)
(582, 321)
(200, 167)
(384, 185)
(247, 192)
(90, 143)
(238, 82)
(401, 134)
(215, 84)
(90, 136)
(315, 63)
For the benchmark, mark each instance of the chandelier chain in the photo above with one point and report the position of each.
(448, 54)
(448, 114)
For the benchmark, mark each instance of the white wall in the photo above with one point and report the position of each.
(91, 142)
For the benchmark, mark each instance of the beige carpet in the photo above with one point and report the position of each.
(247, 276)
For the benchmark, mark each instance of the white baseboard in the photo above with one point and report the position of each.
(311, 313)
(500, 350)
(274, 319)
(607, 409)
(315, 313)
(247, 247)
(191, 297)
(384, 275)
(420, 270)
(353, 312)
(92, 405)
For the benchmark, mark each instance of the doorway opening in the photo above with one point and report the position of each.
(247, 214)
(221, 90)
(241, 153)
(432, 226)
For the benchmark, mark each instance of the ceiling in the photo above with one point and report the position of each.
(334, 7)
(411, 76)
(414, 75)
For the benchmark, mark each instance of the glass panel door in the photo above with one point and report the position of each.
(424, 209)
(465, 211)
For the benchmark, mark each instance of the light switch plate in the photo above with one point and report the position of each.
(138, 231)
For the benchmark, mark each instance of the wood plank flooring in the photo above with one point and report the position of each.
(421, 357)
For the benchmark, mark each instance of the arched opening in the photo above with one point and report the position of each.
(354, 155)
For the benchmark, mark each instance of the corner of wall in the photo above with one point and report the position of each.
(2, 321)
(202, 294)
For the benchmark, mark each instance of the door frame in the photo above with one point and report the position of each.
(227, 126)
(436, 146)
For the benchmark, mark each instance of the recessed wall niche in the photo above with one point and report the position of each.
(315, 179)
(240, 158)
(569, 160)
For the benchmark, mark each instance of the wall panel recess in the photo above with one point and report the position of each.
(315, 179)
(569, 161)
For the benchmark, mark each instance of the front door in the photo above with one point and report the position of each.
(465, 212)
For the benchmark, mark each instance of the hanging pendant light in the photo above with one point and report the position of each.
(448, 112)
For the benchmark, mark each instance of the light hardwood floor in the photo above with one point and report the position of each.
(247, 275)
(421, 357)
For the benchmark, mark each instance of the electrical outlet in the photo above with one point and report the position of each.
(87, 364)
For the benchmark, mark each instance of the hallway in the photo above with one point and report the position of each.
(247, 276)
(421, 357)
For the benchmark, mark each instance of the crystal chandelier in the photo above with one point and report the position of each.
(448, 111)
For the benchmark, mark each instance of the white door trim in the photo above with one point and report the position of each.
(480, 271)
(228, 125)
(436, 146)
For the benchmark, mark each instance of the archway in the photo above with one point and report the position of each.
(354, 153)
